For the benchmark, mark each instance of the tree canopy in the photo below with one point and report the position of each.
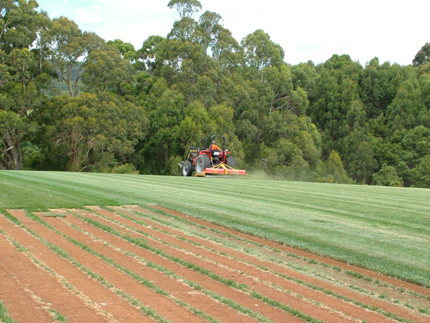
(69, 100)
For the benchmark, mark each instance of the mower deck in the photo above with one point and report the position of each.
(221, 169)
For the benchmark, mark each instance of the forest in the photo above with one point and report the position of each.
(72, 101)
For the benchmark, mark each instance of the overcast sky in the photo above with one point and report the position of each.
(314, 30)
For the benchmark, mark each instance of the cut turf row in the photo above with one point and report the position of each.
(345, 296)
(332, 262)
(308, 266)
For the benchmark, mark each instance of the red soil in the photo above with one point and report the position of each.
(90, 301)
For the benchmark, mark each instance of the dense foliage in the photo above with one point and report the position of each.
(71, 101)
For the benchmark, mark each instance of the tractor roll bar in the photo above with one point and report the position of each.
(212, 138)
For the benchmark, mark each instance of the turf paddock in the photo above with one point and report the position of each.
(381, 228)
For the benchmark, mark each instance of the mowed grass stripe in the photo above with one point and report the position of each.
(241, 260)
(266, 208)
(98, 278)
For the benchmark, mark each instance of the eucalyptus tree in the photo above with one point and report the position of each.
(20, 24)
(93, 132)
(147, 54)
(105, 70)
(260, 52)
(422, 56)
(69, 46)
(185, 8)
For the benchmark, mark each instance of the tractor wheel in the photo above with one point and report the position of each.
(202, 163)
(187, 169)
(230, 161)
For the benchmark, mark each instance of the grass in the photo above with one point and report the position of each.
(382, 228)
(4, 315)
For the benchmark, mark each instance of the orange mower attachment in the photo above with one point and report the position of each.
(222, 169)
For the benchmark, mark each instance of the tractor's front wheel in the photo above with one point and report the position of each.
(187, 168)
(230, 161)
(202, 163)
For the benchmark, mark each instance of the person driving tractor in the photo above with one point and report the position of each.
(214, 146)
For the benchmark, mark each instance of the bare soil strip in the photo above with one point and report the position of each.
(40, 284)
(245, 261)
(332, 262)
(103, 302)
(13, 294)
(157, 302)
(114, 251)
(135, 265)
(239, 297)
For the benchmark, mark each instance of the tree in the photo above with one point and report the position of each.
(68, 48)
(20, 23)
(421, 173)
(337, 89)
(359, 156)
(185, 8)
(332, 171)
(17, 102)
(147, 54)
(407, 107)
(387, 176)
(164, 142)
(94, 132)
(305, 76)
(379, 84)
(260, 51)
(127, 50)
(105, 70)
(19, 97)
(422, 56)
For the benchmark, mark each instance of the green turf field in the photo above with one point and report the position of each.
(382, 228)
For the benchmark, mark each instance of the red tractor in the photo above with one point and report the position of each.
(210, 160)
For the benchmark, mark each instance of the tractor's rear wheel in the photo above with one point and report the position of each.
(187, 168)
(202, 163)
(230, 161)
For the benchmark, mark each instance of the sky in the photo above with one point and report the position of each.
(313, 30)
